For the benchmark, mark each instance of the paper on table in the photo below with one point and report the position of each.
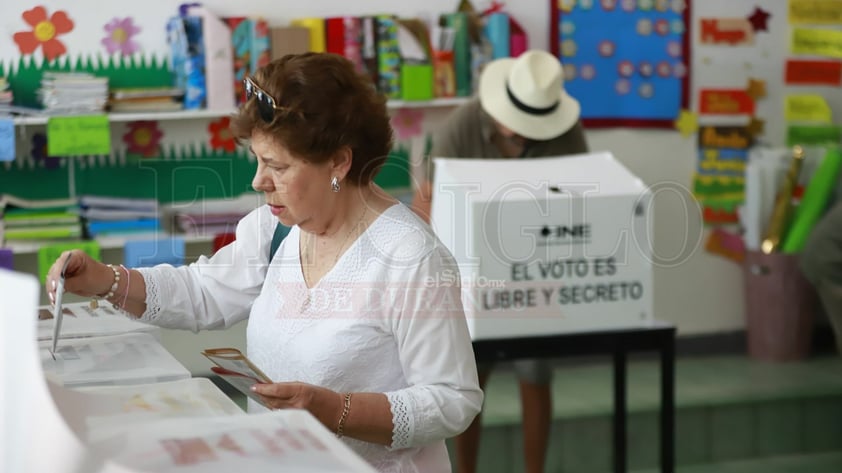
(80, 320)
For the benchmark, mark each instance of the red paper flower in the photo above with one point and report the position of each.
(143, 138)
(44, 32)
(221, 136)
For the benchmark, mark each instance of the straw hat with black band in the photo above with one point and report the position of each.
(526, 95)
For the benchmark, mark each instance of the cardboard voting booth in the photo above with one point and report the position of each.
(546, 246)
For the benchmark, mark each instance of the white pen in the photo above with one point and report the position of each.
(57, 310)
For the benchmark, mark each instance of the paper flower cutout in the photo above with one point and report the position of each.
(119, 35)
(143, 138)
(687, 123)
(407, 123)
(756, 88)
(44, 32)
(39, 152)
(221, 136)
(758, 19)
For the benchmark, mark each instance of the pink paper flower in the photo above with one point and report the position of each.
(406, 122)
(119, 35)
(143, 138)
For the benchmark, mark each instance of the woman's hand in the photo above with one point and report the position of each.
(324, 404)
(84, 276)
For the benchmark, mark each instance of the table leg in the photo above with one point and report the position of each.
(620, 410)
(668, 406)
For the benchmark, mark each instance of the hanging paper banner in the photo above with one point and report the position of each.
(815, 12)
(813, 72)
(807, 108)
(817, 42)
(81, 135)
(725, 102)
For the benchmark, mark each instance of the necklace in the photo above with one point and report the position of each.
(310, 259)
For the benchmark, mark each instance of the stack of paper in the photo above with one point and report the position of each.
(63, 93)
(133, 358)
(46, 220)
(108, 410)
(212, 217)
(179, 426)
(80, 321)
(119, 216)
(149, 99)
(285, 440)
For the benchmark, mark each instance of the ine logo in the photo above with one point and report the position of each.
(565, 234)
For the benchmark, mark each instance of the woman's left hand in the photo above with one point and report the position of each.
(324, 404)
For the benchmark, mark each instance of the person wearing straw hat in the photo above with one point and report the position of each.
(521, 111)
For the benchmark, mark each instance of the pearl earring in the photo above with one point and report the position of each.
(334, 184)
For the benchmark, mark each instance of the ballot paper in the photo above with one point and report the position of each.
(236, 369)
(286, 440)
(80, 320)
(109, 410)
(133, 358)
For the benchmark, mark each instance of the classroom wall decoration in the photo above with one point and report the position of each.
(766, 76)
(626, 61)
(44, 33)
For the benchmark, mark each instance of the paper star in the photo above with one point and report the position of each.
(756, 127)
(758, 19)
(687, 123)
(756, 88)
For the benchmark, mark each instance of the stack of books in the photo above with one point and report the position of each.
(23, 220)
(148, 99)
(64, 92)
(119, 216)
(212, 216)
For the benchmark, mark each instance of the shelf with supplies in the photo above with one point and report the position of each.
(203, 113)
(105, 243)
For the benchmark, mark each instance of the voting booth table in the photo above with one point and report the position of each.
(117, 401)
(555, 260)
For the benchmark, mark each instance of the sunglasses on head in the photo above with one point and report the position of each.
(266, 104)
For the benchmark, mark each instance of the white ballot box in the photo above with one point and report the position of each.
(546, 245)
(80, 320)
(132, 358)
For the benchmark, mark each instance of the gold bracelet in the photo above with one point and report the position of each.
(340, 429)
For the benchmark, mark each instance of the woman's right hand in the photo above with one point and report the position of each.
(83, 275)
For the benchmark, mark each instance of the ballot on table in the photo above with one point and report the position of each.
(37, 411)
(546, 245)
(106, 411)
(80, 320)
(132, 358)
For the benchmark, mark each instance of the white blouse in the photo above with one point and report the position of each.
(381, 320)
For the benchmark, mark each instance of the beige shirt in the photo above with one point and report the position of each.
(468, 131)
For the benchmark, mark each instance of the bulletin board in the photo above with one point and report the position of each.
(626, 61)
